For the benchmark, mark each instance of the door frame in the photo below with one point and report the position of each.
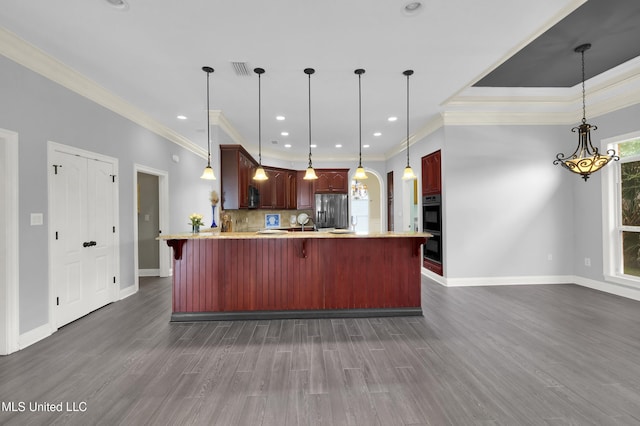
(71, 150)
(164, 252)
(383, 199)
(9, 281)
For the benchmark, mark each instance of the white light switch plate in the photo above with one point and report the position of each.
(36, 219)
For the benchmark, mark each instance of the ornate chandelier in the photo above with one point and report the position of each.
(585, 159)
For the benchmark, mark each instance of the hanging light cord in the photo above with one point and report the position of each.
(584, 108)
(360, 118)
(408, 73)
(208, 125)
(309, 74)
(259, 122)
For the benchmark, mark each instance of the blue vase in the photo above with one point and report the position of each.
(213, 221)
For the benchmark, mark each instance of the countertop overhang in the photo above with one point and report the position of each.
(293, 235)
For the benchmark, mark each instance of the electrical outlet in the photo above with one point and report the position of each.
(587, 261)
(549, 256)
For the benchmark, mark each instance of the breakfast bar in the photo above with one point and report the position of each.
(278, 275)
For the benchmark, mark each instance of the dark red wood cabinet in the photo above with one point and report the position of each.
(239, 275)
(273, 192)
(431, 174)
(237, 168)
(304, 192)
(332, 181)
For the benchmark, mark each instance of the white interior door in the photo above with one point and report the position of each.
(99, 257)
(82, 221)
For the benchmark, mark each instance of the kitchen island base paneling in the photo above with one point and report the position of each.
(228, 277)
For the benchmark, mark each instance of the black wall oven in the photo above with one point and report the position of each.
(432, 223)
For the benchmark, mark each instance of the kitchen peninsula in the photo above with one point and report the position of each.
(244, 275)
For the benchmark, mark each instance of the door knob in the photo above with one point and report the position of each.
(93, 243)
(86, 244)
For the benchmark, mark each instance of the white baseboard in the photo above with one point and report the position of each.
(609, 287)
(34, 336)
(148, 272)
(127, 291)
(604, 286)
(521, 280)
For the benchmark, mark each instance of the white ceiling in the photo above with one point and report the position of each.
(151, 55)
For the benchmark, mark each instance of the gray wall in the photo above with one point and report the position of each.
(507, 206)
(587, 228)
(40, 110)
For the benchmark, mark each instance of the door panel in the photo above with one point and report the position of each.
(100, 205)
(69, 199)
(82, 202)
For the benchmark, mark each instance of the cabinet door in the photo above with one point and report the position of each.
(279, 189)
(339, 182)
(265, 188)
(304, 192)
(244, 170)
(291, 190)
(323, 183)
(431, 174)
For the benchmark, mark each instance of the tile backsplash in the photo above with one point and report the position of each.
(254, 220)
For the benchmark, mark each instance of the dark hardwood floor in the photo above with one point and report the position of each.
(521, 355)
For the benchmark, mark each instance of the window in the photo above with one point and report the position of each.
(621, 203)
(629, 206)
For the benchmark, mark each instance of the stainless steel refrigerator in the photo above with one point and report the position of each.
(332, 211)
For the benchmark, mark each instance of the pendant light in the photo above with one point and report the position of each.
(310, 174)
(585, 159)
(260, 174)
(208, 171)
(360, 173)
(408, 171)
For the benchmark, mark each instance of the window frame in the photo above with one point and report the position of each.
(612, 227)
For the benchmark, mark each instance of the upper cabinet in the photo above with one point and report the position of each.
(285, 189)
(332, 181)
(274, 191)
(431, 174)
(236, 176)
(304, 192)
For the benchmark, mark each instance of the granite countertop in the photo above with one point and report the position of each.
(276, 233)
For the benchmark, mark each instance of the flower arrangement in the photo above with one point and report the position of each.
(195, 220)
(214, 198)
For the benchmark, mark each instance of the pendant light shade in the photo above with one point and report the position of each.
(260, 173)
(208, 171)
(310, 174)
(585, 159)
(408, 171)
(360, 173)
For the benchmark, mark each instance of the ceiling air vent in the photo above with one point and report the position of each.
(241, 68)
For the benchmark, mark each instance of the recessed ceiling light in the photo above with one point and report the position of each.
(284, 133)
(365, 146)
(377, 134)
(338, 145)
(181, 117)
(313, 145)
(392, 118)
(412, 8)
(280, 117)
(119, 4)
(287, 145)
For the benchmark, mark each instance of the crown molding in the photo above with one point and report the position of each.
(430, 127)
(218, 119)
(29, 56)
(608, 92)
